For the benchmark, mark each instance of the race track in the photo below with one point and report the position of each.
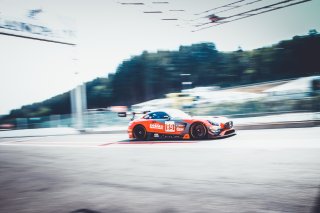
(276, 170)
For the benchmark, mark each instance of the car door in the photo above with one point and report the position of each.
(154, 122)
(161, 123)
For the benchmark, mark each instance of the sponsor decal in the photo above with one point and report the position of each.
(170, 126)
(180, 127)
(156, 126)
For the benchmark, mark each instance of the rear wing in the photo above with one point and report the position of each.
(133, 114)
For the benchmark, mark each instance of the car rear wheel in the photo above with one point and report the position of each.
(198, 131)
(140, 133)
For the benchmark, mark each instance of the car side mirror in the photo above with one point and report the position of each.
(122, 114)
(166, 117)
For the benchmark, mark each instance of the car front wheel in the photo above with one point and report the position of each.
(198, 131)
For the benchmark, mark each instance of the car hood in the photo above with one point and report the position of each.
(214, 119)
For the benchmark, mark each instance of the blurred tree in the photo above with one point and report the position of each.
(151, 75)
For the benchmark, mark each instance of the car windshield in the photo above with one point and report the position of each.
(175, 113)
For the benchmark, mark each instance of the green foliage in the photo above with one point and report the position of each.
(99, 92)
(60, 103)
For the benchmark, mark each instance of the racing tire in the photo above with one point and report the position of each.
(198, 131)
(140, 133)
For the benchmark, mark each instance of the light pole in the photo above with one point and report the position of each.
(78, 96)
(185, 82)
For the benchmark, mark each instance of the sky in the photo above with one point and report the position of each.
(108, 32)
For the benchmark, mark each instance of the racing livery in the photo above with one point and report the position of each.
(176, 124)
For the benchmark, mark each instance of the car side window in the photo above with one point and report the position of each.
(156, 115)
(162, 115)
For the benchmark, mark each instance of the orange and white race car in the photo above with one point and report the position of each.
(176, 124)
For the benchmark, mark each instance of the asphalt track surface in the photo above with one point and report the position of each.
(274, 170)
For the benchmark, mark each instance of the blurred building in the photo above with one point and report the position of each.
(300, 87)
(268, 97)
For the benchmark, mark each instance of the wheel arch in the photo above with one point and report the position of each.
(139, 125)
(198, 122)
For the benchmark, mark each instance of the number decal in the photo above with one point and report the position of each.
(170, 126)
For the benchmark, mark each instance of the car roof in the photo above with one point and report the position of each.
(170, 111)
(166, 110)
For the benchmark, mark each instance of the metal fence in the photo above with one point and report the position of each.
(276, 104)
(90, 120)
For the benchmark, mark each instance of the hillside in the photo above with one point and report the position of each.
(151, 75)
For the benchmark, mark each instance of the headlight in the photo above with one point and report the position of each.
(214, 123)
(228, 125)
(215, 130)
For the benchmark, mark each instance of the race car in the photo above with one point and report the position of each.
(176, 124)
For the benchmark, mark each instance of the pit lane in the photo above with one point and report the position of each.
(255, 171)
